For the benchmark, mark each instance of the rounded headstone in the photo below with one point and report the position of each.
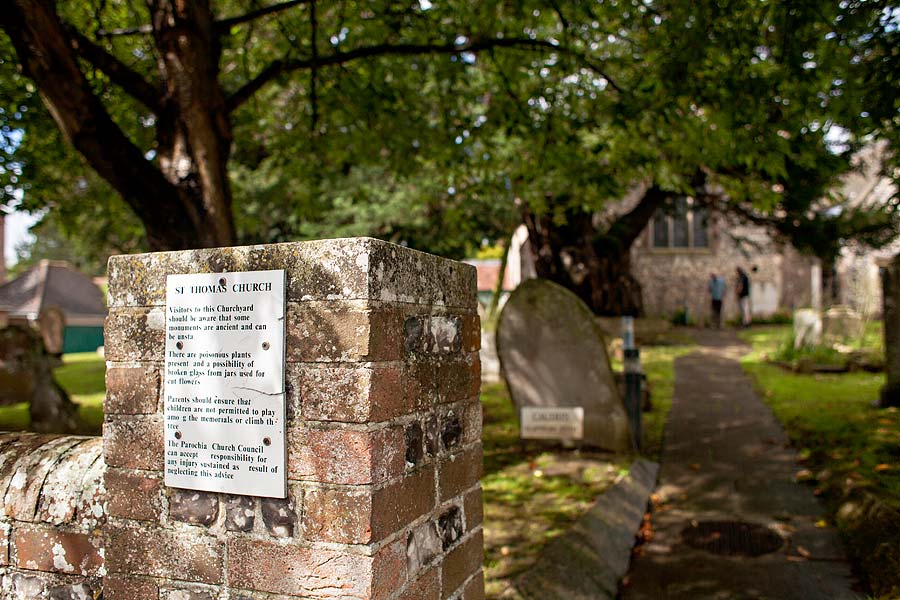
(553, 355)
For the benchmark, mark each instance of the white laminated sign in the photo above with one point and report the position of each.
(224, 383)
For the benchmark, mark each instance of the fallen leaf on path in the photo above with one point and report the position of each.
(695, 466)
(821, 523)
(886, 421)
(804, 475)
(883, 467)
(796, 559)
(803, 552)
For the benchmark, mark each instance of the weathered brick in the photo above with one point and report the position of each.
(283, 568)
(458, 378)
(470, 327)
(402, 502)
(190, 506)
(162, 553)
(132, 390)
(341, 456)
(5, 530)
(321, 332)
(133, 495)
(461, 563)
(30, 473)
(426, 587)
(474, 590)
(65, 491)
(51, 549)
(473, 508)
(134, 443)
(459, 472)
(389, 570)
(341, 515)
(348, 394)
(117, 587)
(135, 334)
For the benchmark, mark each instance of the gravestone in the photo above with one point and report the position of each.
(841, 324)
(553, 356)
(26, 375)
(490, 363)
(807, 328)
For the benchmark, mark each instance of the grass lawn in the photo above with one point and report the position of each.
(82, 376)
(533, 494)
(848, 447)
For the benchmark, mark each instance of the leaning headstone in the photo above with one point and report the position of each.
(26, 375)
(841, 324)
(553, 356)
(807, 328)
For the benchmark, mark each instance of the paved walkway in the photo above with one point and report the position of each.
(727, 458)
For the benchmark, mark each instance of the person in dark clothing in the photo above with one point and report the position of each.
(743, 295)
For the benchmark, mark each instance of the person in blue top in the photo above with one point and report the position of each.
(716, 294)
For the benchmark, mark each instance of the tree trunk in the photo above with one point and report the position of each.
(890, 393)
(186, 201)
(594, 265)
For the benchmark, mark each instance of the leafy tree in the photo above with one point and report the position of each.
(152, 96)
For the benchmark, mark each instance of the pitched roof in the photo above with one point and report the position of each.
(57, 285)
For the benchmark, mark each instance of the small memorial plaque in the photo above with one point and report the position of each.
(540, 423)
(224, 383)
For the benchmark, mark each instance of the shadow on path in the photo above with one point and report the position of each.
(726, 458)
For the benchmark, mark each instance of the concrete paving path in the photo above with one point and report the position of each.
(726, 458)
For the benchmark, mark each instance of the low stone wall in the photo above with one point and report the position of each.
(52, 518)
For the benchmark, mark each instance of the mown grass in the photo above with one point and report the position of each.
(846, 444)
(82, 376)
(659, 367)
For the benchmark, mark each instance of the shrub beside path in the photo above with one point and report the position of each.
(726, 458)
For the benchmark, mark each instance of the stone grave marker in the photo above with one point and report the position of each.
(841, 324)
(553, 356)
(807, 328)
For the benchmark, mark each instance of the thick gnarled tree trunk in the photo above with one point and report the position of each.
(594, 264)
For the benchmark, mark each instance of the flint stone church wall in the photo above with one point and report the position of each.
(383, 446)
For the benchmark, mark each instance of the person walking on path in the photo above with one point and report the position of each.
(743, 295)
(716, 295)
(730, 521)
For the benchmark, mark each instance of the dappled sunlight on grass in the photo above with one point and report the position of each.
(532, 494)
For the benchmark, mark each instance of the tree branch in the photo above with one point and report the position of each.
(118, 72)
(629, 226)
(224, 25)
(281, 67)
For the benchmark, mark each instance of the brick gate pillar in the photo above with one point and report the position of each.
(383, 435)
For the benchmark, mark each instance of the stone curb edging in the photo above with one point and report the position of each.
(587, 562)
